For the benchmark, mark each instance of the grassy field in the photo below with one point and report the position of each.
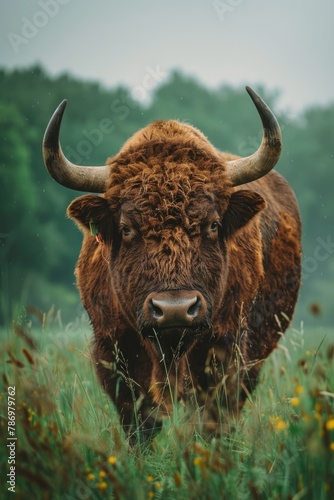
(70, 445)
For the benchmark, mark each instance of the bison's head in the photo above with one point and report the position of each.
(167, 214)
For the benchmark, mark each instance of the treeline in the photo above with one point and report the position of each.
(39, 246)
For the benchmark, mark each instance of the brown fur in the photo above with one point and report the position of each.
(167, 185)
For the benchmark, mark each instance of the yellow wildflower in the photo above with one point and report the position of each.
(102, 485)
(199, 461)
(281, 425)
(91, 476)
(102, 474)
(158, 486)
(295, 401)
(331, 446)
(150, 479)
(112, 460)
(278, 423)
(299, 389)
(330, 424)
(151, 494)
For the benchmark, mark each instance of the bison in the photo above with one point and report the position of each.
(189, 268)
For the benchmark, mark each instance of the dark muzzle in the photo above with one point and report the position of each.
(174, 309)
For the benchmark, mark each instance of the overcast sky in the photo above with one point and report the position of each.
(283, 44)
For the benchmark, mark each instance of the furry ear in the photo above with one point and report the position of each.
(91, 213)
(243, 205)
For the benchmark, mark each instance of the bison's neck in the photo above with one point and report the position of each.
(245, 276)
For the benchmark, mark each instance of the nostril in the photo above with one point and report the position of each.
(174, 308)
(194, 308)
(155, 310)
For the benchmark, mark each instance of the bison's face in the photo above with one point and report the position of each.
(171, 261)
(167, 230)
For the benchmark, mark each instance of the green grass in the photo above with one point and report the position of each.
(70, 444)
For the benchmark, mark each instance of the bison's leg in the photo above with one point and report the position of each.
(128, 390)
(218, 375)
(145, 424)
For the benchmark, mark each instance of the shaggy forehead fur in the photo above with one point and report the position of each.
(171, 173)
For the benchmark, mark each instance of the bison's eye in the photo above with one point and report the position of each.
(126, 231)
(211, 230)
(214, 227)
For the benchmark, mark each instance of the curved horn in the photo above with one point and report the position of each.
(68, 174)
(253, 167)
